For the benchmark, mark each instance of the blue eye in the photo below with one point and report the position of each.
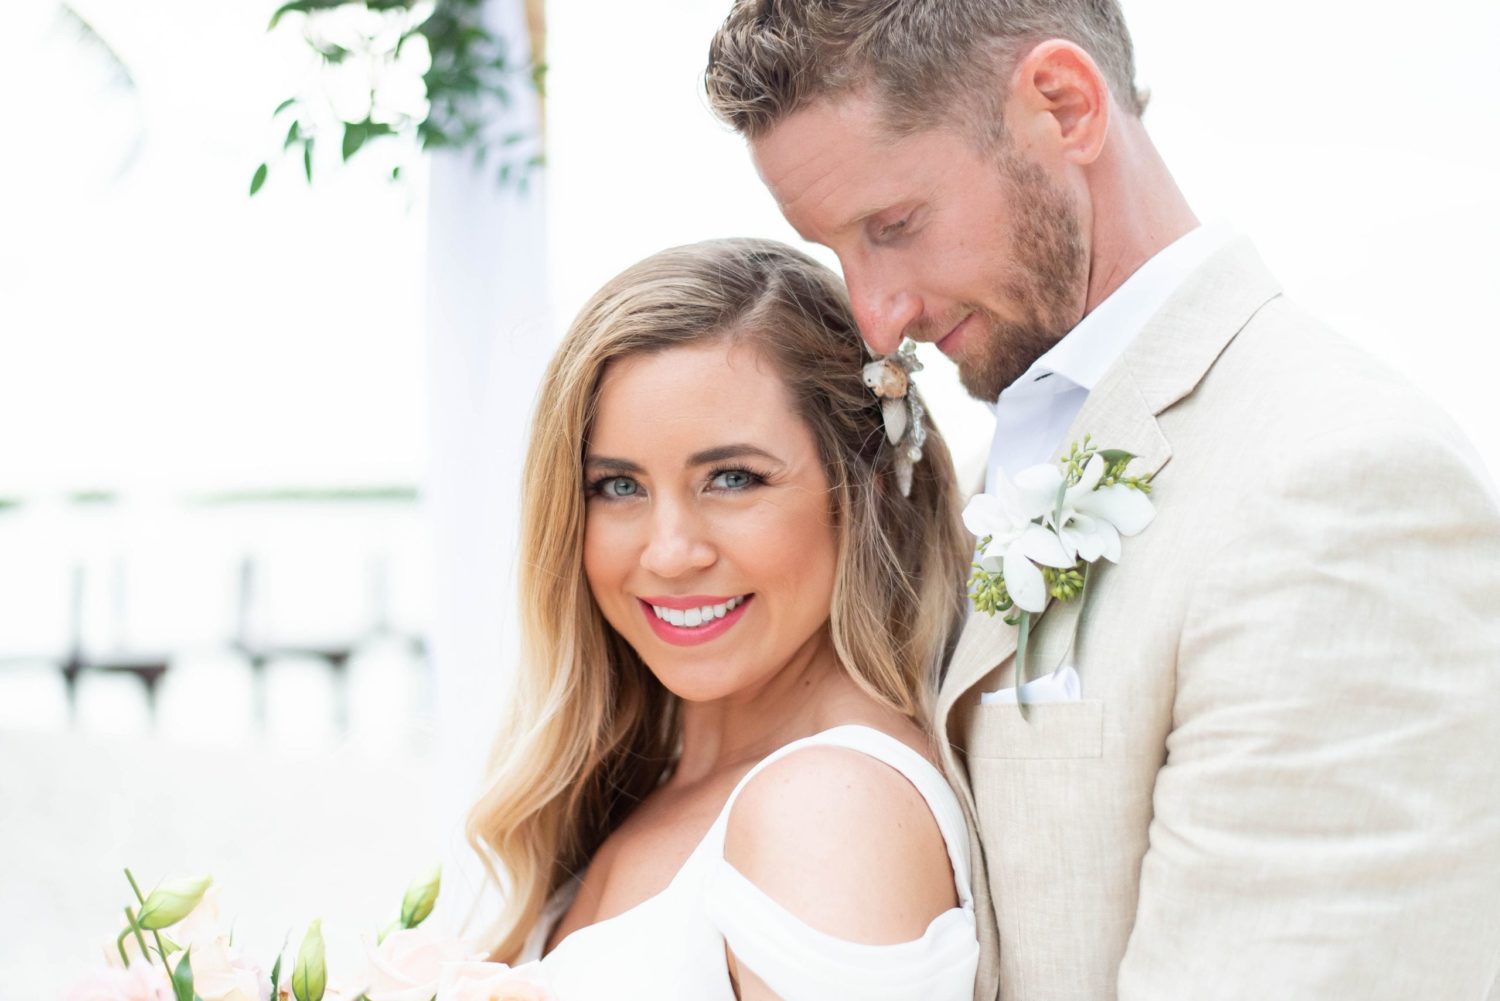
(614, 487)
(734, 479)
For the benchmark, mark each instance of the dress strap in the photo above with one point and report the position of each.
(917, 770)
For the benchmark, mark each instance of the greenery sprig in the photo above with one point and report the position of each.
(469, 72)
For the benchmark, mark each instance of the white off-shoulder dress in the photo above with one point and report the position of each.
(671, 946)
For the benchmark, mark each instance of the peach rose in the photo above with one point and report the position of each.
(492, 982)
(222, 973)
(202, 923)
(331, 992)
(407, 965)
(139, 983)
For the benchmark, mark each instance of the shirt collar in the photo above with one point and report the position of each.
(1087, 351)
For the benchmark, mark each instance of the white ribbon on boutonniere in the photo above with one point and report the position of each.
(1040, 533)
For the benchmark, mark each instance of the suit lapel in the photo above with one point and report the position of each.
(1117, 416)
(1163, 364)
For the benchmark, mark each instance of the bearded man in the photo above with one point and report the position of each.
(1272, 772)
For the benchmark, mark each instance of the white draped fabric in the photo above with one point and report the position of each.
(488, 339)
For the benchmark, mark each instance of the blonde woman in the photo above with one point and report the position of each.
(715, 780)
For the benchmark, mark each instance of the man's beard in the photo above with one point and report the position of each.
(1047, 277)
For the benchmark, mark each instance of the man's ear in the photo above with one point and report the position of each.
(1063, 96)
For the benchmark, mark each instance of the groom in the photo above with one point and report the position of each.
(1276, 776)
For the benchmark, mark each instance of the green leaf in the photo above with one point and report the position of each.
(354, 137)
(259, 180)
(182, 978)
(293, 134)
(307, 158)
(1113, 455)
(276, 975)
(285, 9)
(301, 7)
(283, 106)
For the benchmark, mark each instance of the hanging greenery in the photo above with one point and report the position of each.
(422, 74)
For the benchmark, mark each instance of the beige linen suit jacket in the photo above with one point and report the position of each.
(1283, 779)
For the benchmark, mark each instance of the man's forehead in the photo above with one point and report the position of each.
(827, 164)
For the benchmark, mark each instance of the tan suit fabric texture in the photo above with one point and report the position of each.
(1283, 779)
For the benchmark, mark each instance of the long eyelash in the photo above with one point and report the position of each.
(756, 478)
(595, 488)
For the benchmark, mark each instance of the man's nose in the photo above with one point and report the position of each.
(883, 311)
(679, 543)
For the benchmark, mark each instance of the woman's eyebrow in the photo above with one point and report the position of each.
(604, 462)
(719, 453)
(724, 452)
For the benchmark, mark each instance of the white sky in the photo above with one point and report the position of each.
(160, 331)
(1357, 149)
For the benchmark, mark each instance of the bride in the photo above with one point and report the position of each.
(715, 780)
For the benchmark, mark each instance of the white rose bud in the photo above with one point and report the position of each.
(171, 901)
(310, 977)
(420, 898)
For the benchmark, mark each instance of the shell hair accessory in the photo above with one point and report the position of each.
(889, 378)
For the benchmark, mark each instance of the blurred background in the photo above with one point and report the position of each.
(259, 454)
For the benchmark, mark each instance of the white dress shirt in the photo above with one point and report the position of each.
(1034, 413)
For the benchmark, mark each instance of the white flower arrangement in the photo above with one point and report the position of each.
(404, 963)
(1040, 533)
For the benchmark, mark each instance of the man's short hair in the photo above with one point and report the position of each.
(926, 60)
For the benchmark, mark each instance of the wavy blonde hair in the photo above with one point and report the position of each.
(590, 732)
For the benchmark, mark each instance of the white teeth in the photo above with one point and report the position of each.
(691, 618)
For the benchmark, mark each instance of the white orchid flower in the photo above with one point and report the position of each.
(1093, 518)
(1017, 542)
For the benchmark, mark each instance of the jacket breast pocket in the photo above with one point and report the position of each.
(1053, 731)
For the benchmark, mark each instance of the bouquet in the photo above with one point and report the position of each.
(174, 948)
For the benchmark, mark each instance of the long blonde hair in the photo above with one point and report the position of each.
(590, 732)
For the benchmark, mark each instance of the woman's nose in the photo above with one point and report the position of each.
(679, 543)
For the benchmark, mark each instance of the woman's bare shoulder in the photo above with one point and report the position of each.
(843, 841)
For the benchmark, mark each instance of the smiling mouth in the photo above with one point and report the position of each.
(950, 339)
(703, 621)
(695, 618)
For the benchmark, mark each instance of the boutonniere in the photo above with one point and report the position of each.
(1040, 533)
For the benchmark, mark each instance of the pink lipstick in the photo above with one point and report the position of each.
(692, 627)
